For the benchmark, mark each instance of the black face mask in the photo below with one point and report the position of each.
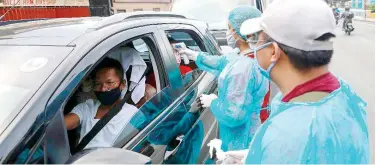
(108, 97)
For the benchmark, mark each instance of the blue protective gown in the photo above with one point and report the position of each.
(241, 90)
(331, 131)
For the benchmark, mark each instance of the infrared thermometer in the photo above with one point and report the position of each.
(179, 46)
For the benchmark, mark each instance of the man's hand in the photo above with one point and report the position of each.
(192, 55)
(72, 121)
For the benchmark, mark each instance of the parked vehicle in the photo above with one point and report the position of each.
(43, 63)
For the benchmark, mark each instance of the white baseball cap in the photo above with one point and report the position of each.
(295, 23)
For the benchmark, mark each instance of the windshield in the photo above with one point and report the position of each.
(23, 69)
(210, 11)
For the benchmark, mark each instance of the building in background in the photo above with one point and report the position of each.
(42, 9)
(123, 6)
(100, 8)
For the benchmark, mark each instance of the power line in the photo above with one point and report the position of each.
(1, 17)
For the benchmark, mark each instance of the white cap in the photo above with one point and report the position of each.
(295, 23)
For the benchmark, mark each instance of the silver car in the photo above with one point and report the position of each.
(44, 63)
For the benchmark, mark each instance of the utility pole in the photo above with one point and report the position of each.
(365, 9)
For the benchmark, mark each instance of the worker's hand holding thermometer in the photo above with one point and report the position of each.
(185, 53)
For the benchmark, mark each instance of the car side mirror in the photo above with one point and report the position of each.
(108, 156)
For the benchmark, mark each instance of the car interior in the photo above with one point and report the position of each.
(140, 49)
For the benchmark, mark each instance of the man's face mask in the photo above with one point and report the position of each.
(108, 97)
(106, 93)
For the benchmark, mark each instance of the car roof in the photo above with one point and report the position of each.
(63, 31)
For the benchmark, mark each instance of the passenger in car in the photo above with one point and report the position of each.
(108, 85)
(86, 91)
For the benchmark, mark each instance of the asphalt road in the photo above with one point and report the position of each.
(354, 61)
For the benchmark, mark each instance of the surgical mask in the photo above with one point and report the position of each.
(264, 72)
(231, 41)
(108, 97)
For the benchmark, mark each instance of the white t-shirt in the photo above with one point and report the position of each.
(87, 110)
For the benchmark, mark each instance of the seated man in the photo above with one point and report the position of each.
(108, 85)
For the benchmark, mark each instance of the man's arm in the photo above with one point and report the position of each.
(72, 121)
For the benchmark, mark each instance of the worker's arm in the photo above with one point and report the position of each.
(211, 63)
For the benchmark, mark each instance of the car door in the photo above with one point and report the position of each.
(195, 83)
(163, 135)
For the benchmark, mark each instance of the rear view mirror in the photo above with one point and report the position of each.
(108, 156)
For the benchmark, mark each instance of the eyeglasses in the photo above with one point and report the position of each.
(107, 85)
(253, 39)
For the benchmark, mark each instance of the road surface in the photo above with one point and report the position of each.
(354, 61)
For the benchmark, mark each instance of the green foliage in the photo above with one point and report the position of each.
(372, 8)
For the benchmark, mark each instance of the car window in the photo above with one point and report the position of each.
(192, 40)
(187, 37)
(212, 43)
(190, 77)
(142, 48)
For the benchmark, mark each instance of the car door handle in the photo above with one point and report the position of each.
(168, 154)
(148, 151)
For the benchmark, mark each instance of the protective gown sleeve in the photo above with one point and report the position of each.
(210, 63)
(230, 109)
